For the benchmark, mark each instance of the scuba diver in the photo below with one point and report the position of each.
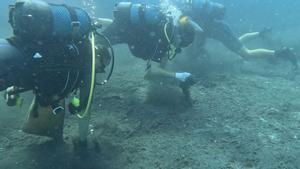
(53, 54)
(210, 16)
(152, 35)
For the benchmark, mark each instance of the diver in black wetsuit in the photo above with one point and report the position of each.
(51, 54)
(152, 35)
(210, 16)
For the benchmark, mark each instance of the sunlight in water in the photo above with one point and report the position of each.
(90, 7)
(170, 9)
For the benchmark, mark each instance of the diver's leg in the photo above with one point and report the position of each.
(253, 35)
(256, 53)
(226, 36)
(249, 36)
(84, 122)
(43, 121)
(84, 128)
(157, 71)
(284, 53)
(221, 31)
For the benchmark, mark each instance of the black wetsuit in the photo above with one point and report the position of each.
(144, 41)
(50, 68)
(215, 28)
(220, 30)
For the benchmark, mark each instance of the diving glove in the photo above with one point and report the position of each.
(182, 77)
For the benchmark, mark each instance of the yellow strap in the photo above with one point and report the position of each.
(172, 48)
(86, 112)
(166, 32)
(19, 102)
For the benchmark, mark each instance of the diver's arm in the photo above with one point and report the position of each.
(157, 71)
(253, 35)
(163, 63)
(248, 36)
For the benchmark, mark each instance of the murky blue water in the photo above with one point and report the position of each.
(253, 14)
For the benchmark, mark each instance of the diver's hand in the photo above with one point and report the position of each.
(183, 76)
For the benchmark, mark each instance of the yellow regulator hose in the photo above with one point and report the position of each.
(86, 112)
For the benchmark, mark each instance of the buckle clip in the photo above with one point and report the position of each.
(57, 110)
(75, 24)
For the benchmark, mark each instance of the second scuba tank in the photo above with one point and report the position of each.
(138, 14)
(38, 20)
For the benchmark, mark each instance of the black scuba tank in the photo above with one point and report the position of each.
(38, 20)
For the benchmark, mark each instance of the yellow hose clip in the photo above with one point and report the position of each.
(19, 102)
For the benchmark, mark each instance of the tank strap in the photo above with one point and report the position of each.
(74, 18)
(142, 14)
(11, 16)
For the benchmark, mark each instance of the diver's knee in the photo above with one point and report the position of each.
(244, 53)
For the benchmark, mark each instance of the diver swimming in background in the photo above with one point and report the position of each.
(153, 36)
(210, 16)
(52, 53)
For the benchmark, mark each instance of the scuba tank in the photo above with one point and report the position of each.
(138, 14)
(59, 21)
